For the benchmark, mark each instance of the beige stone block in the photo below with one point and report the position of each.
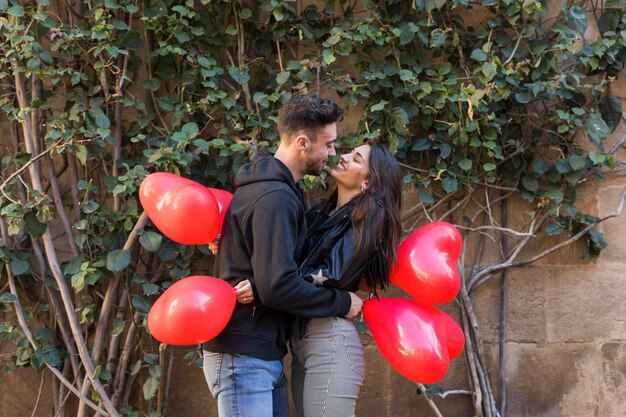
(19, 391)
(375, 390)
(190, 393)
(487, 307)
(585, 304)
(557, 380)
(613, 386)
(525, 309)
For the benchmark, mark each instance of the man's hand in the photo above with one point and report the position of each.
(355, 306)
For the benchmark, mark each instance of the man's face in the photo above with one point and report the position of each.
(321, 149)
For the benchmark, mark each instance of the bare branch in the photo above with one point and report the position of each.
(43, 375)
(23, 168)
(429, 400)
(454, 392)
(501, 229)
(485, 272)
(617, 212)
(51, 254)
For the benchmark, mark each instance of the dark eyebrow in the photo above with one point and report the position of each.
(360, 156)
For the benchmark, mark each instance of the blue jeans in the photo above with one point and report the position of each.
(245, 386)
(327, 368)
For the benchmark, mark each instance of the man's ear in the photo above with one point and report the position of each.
(302, 142)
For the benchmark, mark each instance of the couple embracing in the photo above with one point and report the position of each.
(296, 271)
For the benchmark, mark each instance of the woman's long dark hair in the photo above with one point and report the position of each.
(376, 216)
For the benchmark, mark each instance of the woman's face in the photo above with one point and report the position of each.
(352, 170)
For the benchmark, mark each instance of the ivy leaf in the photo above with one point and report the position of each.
(598, 239)
(141, 303)
(7, 297)
(81, 153)
(239, 75)
(489, 166)
(282, 77)
(611, 110)
(449, 184)
(328, 56)
(378, 106)
(117, 260)
(609, 21)
(579, 17)
(434, 4)
(50, 355)
(118, 326)
(530, 183)
(420, 145)
(190, 130)
(425, 197)
(437, 38)
(523, 97)
(478, 55)
(597, 129)
(150, 387)
(278, 14)
(19, 266)
(34, 226)
(16, 10)
(555, 194)
(577, 162)
(100, 118)
(151, 241)
(400, 120)
(465, 164)
(152, 84)
(150, 288)
(540, 166)
(554, 229)
(90, 206)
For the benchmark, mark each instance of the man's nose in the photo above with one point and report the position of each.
(332, 151)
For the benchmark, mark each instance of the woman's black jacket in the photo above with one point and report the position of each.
(329, 257)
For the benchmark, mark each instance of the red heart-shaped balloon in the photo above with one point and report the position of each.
(408, 334)
(454, 337)
(191, 311)
(180, 208)
(156, 324)
(223, 198)
(427, 263)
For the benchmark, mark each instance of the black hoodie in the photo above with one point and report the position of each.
(262, 237)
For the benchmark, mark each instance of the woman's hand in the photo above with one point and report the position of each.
(243, 291)
(214, 246)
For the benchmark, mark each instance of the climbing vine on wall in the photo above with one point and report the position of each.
(483, 102)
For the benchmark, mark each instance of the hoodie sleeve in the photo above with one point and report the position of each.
(273, 225)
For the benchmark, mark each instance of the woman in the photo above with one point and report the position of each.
(352, 244)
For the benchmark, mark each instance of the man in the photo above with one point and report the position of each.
(262, 237)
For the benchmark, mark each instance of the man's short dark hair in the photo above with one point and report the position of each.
(308, 113)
